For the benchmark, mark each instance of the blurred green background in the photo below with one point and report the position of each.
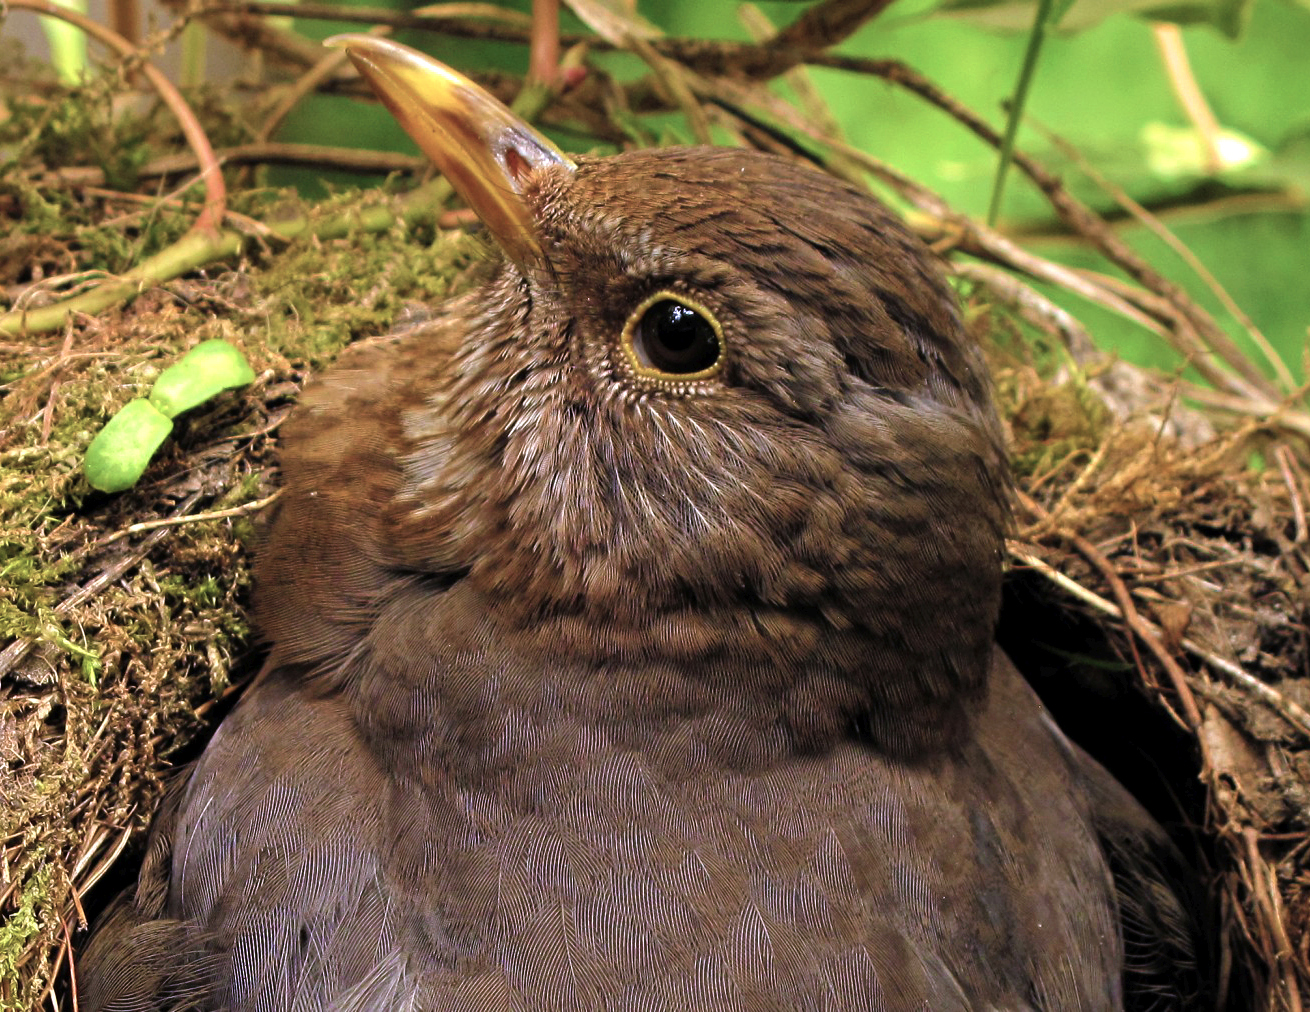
(1103, 87)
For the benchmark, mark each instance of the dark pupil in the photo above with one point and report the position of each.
(675, 338)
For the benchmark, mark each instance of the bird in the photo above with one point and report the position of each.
(631, 640)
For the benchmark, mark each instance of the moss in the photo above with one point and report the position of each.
(24, 924)
(1056, 423)
(118, 672)
(318, 296)
(55, 230)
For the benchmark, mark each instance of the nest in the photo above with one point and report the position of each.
(1162, 524)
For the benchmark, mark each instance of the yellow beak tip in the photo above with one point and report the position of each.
(482, 147)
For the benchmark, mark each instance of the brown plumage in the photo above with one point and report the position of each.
(602, 681)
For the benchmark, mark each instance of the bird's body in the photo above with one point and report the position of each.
(610, 867)
(630, 659)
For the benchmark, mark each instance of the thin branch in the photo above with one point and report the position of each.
(1142, 629)
(674, 82)
(821, 27)
(1175, 310)
(504, 26)
(1075, 214)
(333, 62)
(1032, 307)
(194, 518)
(808, 97)
(268, 152)
(1288, 468)
(544, 48)
(1184, 253)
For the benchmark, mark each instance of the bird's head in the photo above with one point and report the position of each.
(712, 404)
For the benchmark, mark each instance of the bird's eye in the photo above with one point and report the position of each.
(670, 337)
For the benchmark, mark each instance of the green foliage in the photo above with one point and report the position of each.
(79, 126)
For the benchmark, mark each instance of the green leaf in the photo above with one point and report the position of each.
(207, 369)
(120, 452)
(1174, 152)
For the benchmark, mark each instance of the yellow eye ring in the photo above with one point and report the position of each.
(673, 340)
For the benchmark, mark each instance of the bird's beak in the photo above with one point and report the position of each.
(478, 144)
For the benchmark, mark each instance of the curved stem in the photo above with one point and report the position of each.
(215, 190)
(1173, 54)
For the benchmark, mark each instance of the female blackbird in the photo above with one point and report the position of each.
(631, 627)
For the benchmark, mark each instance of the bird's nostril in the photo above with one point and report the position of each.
(516, 165)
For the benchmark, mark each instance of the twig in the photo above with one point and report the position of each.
(975, 237)
(1287, 468)
(244, 223)
(1075, 214)
(1293, 713)
(1134, 621)
(268, 152)
(194, 518)
(1067, 584)
(1032, 307)
(824, 25)
(1184, 336)
(821, 27)
(543, 49)
(1180, 248)
(91, 846)
(255, 33)
(333, 61)
(1265, 892)
(125, 19)
(506, 26)
(1265, 412)
(808, 97)
(1104, 290)
(674, 83)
